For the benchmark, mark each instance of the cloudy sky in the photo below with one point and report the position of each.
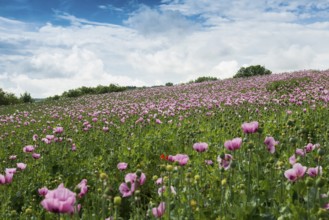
(50, 46)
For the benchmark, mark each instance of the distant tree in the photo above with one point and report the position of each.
(205, 79)
(86, 90)
(256, 70)
(115, 88)
(169, 84)
(8, 98)
(72, 93)
(102, 89)
(26, 97)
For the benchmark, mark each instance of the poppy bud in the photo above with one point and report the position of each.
(117, 200)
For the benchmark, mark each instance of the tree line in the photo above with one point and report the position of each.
(9, 98)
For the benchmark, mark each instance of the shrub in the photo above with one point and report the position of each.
(26, 97)
(257, 70)
(205, 79)
(8, 98)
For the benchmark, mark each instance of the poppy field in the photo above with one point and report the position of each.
(252, 148)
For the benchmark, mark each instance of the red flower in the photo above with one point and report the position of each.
(163, 157)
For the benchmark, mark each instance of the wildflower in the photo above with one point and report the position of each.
(296, 172)
(158, 121)
(225, 161)
(300, 152)
(314, 171)
(21, 166)
(59, 200)
(58, 130)
(83, 188)
(36, 156)
(270, 143)
(43, 191)
(28, 149)
(164, 157)
(233, 144)
(309, 147)
(129, 186)
(200, 147)
(106, 129)
(160, 210)
(50, 137)
(251, 127)
(182, 159)
(2, 179)
(12, 157)
(122, 166)
(208, 162)
(125, 190)
(292, 159)
(159, 181)
(35, 137)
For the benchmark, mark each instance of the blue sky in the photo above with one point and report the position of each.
(47, 47)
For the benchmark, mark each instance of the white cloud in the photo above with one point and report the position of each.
(176, 42)
(155, 22)
(225, 69)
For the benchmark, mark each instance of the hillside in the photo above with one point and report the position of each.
(251, 148)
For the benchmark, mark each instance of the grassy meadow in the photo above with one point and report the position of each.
(252, 148)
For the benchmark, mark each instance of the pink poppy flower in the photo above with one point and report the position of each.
(309, 147)
(314, 171)
(12, 157)
(300, 152)
(106, 129)
(46, 141)
(296, 172)
(122, 166)
(160, 210)
(83, 188)
(159, 181)
(270, 143)
(35, 137)
(200, 147)
(182, 159)
(2, 179)
(249, 128)
(10, 170)
(36, 156)
(125, 190)
(158, 121)
(233, 144)
(28, 149)
(59, 200)
(21, 166)
(43, 191)
(50, 137)
(292, 159)
(225, 162)
(209, 162)
(58, 130)
(132, 177)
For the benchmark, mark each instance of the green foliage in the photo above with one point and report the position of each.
(26, 98)
(256, 70)
(100, 89)
(287, 85)
(205, 79)
(8, 98)
(169, 84)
